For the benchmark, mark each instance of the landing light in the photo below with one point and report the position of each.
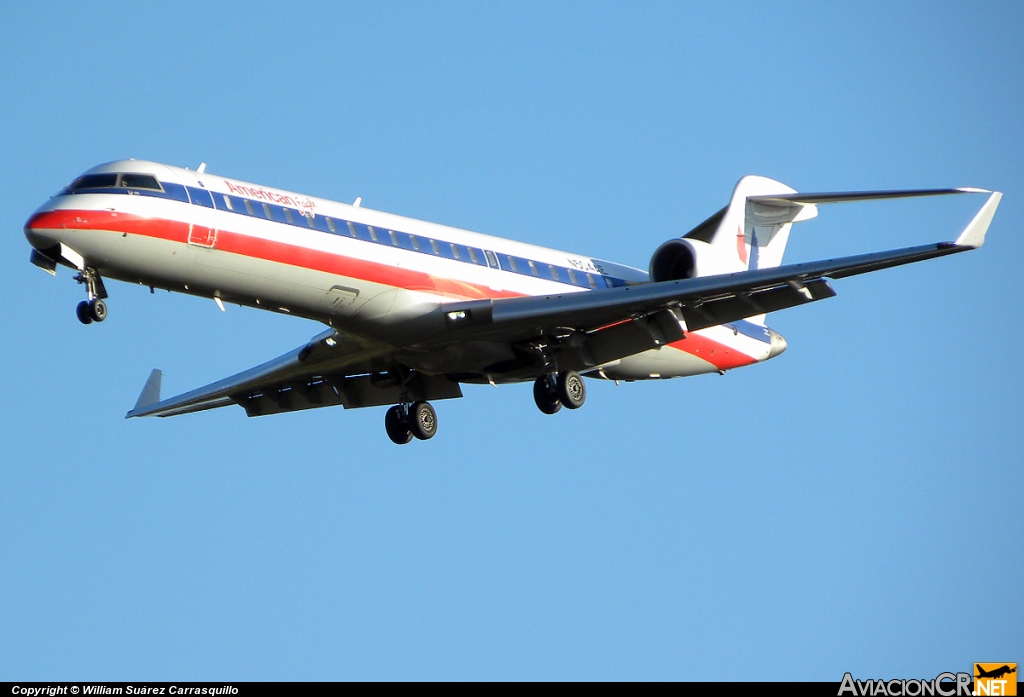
(330, 341)
(454, 316)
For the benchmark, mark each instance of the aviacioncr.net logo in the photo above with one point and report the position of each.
(943, 685)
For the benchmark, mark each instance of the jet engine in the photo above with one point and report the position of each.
(682, 258)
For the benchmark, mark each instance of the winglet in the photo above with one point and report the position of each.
(974, 234)
(150, 393)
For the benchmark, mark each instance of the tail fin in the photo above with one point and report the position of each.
(752, 231)
(752, 234)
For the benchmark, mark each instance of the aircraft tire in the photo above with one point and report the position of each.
(423, 420)
(98, 310)
(396, 426)
(572, 390)
(84, 313)
(546, 398)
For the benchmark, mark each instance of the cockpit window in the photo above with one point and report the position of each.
(94, 181)
(140, 181)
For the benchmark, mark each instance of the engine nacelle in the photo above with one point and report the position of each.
(680, 258)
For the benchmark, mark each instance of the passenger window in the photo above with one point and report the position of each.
(472, 255)
(351, 229)
(227, 203)
(266, 212)
(373, 233)
(248, 206)
(415, 242)
(433, 245)
(455, 252)
(310, 219)
(590, 280)
(95, 181)
(572, 276)
(394, 237)
(139, 181)
(492, 260)
(554, 272)
(533, 269)
(330, 225)
(512, 264)
(288, 215)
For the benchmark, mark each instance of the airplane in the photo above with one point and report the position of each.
(995, 673)
(414, 309)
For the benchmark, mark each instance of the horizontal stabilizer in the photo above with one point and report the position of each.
(150, 392)
(844, 196)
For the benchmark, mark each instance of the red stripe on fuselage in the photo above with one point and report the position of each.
(715, 353)
(269, 250)
(719, 355)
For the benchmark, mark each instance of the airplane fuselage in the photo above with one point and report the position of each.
(364, 272)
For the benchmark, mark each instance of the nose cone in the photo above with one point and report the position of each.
(778, 344)
(39, 233)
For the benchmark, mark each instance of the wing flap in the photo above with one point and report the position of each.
(742, 305)
(349, 392)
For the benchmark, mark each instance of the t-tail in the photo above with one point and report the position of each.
(751, 232)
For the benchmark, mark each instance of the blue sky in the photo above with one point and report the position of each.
(852, 505)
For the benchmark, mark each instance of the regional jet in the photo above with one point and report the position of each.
(414, 309)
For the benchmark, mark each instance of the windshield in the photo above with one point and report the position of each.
(111, 180)
(94, 181)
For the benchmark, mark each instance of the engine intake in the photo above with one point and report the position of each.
(673, 261)
(684, 258)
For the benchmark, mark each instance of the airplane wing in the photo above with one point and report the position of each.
(329, 370)
(659, 313)
(586, 329)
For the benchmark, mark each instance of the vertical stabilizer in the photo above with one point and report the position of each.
(748, 235)
(754, 233)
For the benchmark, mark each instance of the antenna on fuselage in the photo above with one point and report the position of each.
(201, 168)
(358, 201)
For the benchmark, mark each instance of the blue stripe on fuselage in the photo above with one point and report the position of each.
(296, 218)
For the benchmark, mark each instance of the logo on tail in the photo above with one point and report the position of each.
(741, 245)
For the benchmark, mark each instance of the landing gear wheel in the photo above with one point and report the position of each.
(98, 310)
(423, 420)
(397, 426)
(545, 395)
(84, 312)
(572, 391)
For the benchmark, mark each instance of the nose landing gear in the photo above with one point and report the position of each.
(89, 311)
(93, 309)
(404, 421)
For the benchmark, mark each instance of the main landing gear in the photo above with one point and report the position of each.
(405, 421)
(566, 388)
(93, 309)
